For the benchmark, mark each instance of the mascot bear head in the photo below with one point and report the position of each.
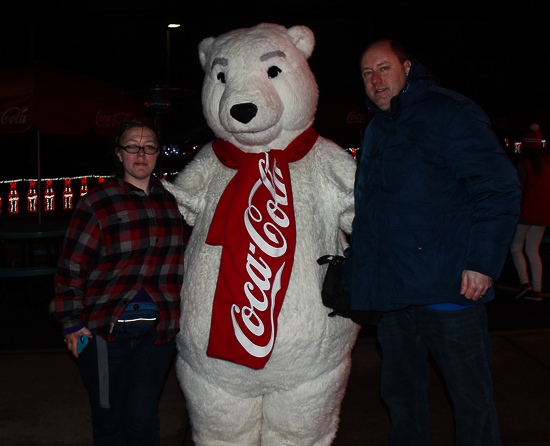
(259, 92)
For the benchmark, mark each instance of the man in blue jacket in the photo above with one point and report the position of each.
(436, 203)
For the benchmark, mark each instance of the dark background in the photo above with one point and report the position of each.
(493, 51)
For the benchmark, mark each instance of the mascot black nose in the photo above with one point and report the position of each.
(244, 112)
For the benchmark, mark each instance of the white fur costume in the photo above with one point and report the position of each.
(295, 399)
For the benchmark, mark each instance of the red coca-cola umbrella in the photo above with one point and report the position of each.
(51, 99)
(56, 100)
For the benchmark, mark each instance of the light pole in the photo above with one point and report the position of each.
(171, 25)
(158, 98)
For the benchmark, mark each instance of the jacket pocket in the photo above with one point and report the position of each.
(415, 242)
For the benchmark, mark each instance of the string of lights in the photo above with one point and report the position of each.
(14, 200)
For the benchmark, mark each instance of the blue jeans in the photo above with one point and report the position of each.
(137, 368)
(460, 344)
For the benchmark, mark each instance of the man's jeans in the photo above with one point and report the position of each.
(137, 368)
(460, 344)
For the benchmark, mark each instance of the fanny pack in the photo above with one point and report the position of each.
(139, 314)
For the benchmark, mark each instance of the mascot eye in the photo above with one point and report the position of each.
(273, 71)
(221, 77)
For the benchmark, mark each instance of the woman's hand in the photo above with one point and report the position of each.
(72, 340)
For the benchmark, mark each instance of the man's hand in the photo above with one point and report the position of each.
(72, 340)
(474, 284)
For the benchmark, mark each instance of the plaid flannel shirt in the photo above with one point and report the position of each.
(118, 241)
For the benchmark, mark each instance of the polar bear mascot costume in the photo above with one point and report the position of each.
(260, 362)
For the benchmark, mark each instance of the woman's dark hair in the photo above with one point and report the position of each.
(126, 125)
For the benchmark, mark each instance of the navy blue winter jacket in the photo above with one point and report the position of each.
(435, 194)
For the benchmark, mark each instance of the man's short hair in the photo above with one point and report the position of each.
(126, 125)
(395, 46)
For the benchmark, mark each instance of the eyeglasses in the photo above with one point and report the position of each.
(133, 149)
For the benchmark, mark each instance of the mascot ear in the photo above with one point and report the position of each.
(203, 50)
(303, 38)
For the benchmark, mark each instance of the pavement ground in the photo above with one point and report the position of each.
(43, 401)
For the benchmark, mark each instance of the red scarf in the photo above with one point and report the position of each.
(256, 212)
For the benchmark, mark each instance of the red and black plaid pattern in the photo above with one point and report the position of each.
(120, 240)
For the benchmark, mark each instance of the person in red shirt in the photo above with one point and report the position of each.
(534, 176)
(118, 286)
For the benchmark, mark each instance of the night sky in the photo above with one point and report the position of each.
(494, 52)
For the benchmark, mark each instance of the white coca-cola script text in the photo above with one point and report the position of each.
(14, 115)
(262, 288)
(113, 120)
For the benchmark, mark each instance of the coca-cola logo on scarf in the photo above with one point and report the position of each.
(255, 224)
(262, 288)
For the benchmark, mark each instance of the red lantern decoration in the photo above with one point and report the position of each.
(67, 195)
(83, 187)
(13, 199)
(32, 198)
(49, 197)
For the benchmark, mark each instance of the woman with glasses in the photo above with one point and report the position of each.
(117, 290)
